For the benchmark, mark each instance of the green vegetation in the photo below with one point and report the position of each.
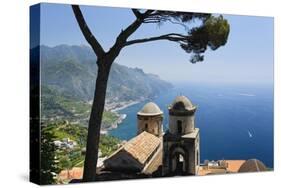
(65, 163)
(55, 159)
(108, 144)
(63, 129)
(56, 107)
(66, 157)
(109, 118)
(49, 164)
(54, 104)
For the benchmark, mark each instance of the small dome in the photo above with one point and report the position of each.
(182, 103)
(252, 165)
(150, 109)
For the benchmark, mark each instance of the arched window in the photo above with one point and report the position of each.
(146, 126)
(179, 125)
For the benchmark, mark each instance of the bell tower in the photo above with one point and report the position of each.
(181, 154)
(150, 119)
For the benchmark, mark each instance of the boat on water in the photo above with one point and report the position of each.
(250, 134)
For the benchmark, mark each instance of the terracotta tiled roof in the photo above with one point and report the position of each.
(234, 165)
(252, 165)
(142, 146)
(154, 162)
(74, 173)
(203, 172)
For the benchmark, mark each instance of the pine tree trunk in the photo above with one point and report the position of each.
(93, 138)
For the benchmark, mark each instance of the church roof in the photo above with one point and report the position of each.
(150, 109)
(135, 154)
(252, 165)
(142, 146)
(182, 103)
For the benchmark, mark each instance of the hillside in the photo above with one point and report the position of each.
(56, 107)
(71, 71)
(68, 75)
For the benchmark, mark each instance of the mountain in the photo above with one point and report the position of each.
(68, 75)
(71, 71)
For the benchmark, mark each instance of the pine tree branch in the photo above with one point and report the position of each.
(136, 13)
(175, 37)
(126, 33)
(91, 39)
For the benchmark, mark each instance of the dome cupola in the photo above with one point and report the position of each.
(182, 105)
(181, 116)
(150, 109)
(150, 119)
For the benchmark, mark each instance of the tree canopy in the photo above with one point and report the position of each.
(210, 31)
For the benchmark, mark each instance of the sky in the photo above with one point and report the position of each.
(246, 58)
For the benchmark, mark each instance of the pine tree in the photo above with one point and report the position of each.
(49, 164)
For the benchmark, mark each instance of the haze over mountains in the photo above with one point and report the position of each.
(71, 71)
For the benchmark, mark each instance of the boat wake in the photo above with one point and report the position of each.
(250, 134)
(247, 94)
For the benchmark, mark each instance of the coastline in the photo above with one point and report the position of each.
(125, 106)
(115, 108)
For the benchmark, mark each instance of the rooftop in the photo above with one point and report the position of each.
(252, 165)
(142, 146)
(234, 165)
(74, 173)
(222, 167)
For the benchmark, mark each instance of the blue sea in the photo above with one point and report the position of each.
(235, 120)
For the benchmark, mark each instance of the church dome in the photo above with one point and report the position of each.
(182, 103)
(150, 109)
(252, 165)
